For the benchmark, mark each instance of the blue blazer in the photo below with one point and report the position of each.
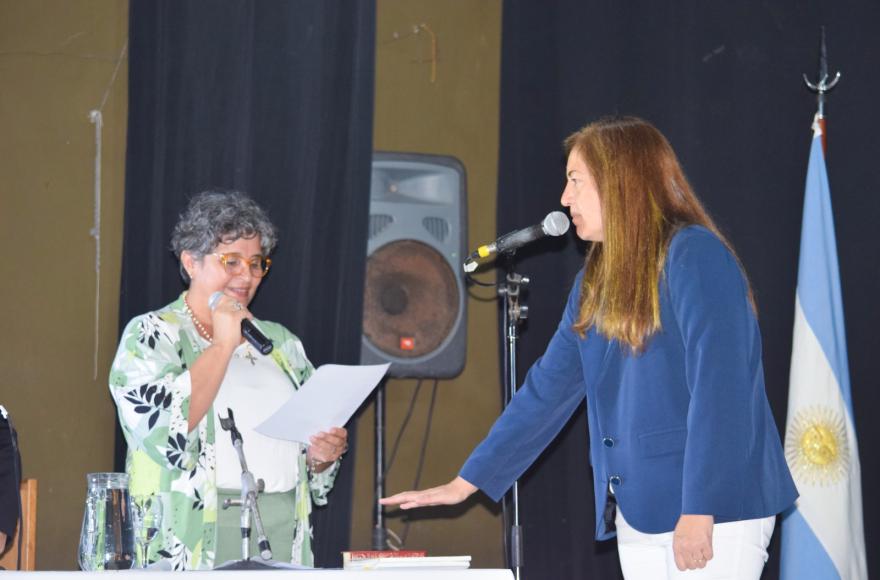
(682, 428)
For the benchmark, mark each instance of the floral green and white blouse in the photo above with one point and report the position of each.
(150, 384)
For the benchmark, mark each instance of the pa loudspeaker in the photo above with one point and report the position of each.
(415, 303)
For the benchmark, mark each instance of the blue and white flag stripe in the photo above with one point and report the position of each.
(822, 536)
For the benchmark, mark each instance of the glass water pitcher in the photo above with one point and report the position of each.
(107, 538)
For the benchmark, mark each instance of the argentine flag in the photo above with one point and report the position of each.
(822, 535)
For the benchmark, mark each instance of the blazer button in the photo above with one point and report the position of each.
(616, 480)
(608, 442)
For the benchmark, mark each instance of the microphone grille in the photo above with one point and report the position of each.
(215, 298)
(555, 224)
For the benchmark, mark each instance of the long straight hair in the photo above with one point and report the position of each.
(645, 198)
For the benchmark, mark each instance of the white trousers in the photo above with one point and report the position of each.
(740, 552)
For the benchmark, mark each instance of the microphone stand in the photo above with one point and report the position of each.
(250, 488)
(513, 312)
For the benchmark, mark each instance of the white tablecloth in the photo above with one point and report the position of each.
(470, 574)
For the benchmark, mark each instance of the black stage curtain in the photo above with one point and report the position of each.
(274, 98)
(723, 82)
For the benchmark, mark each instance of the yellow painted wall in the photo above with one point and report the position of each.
(455, 113)
(57, 59)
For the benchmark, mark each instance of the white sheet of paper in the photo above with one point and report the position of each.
(328, 399)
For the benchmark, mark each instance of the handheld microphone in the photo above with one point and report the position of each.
(555, 224)
(248, 330)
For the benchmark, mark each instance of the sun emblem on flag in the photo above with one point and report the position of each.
(816, 446)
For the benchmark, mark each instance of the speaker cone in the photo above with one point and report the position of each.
(411, 299)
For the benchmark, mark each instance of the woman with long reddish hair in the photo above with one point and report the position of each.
(660, 336)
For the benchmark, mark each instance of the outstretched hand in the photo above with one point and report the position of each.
(456, 491)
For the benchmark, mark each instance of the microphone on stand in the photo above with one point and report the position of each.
(251, 333)
(555, 224)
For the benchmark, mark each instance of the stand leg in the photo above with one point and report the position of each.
(380, 534)
(516, 539)
(245, 532)
(513, 312)
(507, 500)
(262, 540)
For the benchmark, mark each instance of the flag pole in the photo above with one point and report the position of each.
(823, 86)
(823, 533)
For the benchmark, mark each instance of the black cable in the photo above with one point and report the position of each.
(422, 454)
(476, 282)
(478, 298)
(399, 438)
(427, 434)
(470, 282)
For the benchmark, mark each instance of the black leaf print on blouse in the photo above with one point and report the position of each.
(149, 399)
(176, 553)
(176, 448)
(149, 332)
(201, 462)
(198, 504)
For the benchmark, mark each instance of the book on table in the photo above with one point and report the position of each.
(425, 563)
(353, 555)
(401, 560)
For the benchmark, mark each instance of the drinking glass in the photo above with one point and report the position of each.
(146, 516)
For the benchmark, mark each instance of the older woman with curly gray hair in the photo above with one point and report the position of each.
(179, 368)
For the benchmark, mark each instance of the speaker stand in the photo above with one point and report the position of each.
(380, 533)
(513, 312)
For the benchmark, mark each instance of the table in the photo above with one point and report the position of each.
(470, 574)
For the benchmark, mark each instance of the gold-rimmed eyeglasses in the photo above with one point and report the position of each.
(235, 264)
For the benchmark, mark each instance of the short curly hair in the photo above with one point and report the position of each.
(214, 217)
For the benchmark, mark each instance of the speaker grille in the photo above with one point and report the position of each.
(437, 227)
(411, 299)
(378, 223)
